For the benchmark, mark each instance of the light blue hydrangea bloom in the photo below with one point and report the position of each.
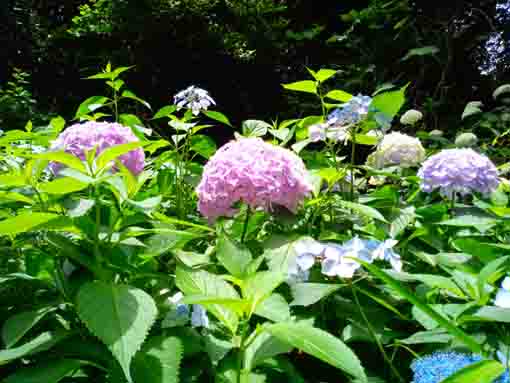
(193, 98)
(178, 315)
(307, 250)
(438, 366)
(503, 295)
(199, 317)
(384, 251)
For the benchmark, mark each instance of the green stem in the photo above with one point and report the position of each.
(115, 105)
(245, 225)
(353, 153)
(374, 335)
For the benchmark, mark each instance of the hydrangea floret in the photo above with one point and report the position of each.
(397, 149)
(411, 117)
(80, 138)
(503, 295)
(461, 171)
(194, 98)
(440, 365)
(257, 173)
(179, 313)
(466, 140)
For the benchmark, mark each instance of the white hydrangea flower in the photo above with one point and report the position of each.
(466, 140)
(503, 295)
(411, 117)
(194, 98)
(398, 149)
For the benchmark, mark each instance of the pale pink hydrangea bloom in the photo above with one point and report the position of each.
(255, 172)
(79, 138)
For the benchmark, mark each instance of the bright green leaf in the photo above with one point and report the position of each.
(302, 86)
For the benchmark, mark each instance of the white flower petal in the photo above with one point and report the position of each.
(502, 299)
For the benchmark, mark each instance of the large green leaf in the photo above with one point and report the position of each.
(25, 222)
(203, 145)
(274, 308)
(264, 346)
(132, 96)
(200, 282)
(233, 256)
(485, 371)
(363, 209)
(404, 219)
(339, 95)
(119, 315)
(90, 105)
(255, 128)
(165, 111)
(49, 371)
(307, 86)
(260, 286)
(321, 345)
(43, 342)
(279, 251)
(217, 116)
(63, 185)
(113, 152)
(390, 102)
(158, 361)
(63, 158)
(18, 325)
(306, 294)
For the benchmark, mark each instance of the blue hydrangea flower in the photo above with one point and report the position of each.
(199, 317)
(307, 250)
(461, 171)
(503, 295)
(178, 315)
(438, 366)
(384, 251)
(193, 98)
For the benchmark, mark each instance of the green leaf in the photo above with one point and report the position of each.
(62, 185)
(298, 146)
(203, 145)
(321, 345)
(14, 196)
(260, 286)
(255, 128)
(485, 371)
(42, 342)
(324, 74)
(472, 108)
(201, 282)
(470, 220)
(422, 51)
(411, 297)
(489, 273)
(339, 95)
(63, 158)
(279, 251)
(364, 210)
(264, 346)
(489, 314)
(11, 180)
(119, 315)
(58, 124)
(25, 222)
(405, 218)
(306, 294)
(80, 207)
(365, 139)
(49, 371)
(90, 104)
(114, 152)
(158, 361)
(217, 116)
(132, 96)
(307, 86)
(390, 102)
(233, 256)
(165, 111)
(274, 308)
(431, 336)
(18, 325)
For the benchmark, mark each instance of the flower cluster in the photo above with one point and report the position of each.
(503, 295)
(411, 117)
(397, 149)
(193, 98)
(255, 172)
(436, 367)
(458, 171)
(466, 140)
(338, 260)
(339, 121)
(179, 314)
(80, 138)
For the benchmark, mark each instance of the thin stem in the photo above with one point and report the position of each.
(374, 335)
(245, 225)
(353, 153)
(115, 105)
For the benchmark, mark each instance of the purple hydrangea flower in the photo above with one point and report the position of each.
(436, 367)
(79, 138)
(255, 172)
(461, 171)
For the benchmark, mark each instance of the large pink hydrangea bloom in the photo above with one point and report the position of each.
(79, 138)
(255, 172)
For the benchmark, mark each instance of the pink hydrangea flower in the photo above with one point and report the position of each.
(255, 172)
(79, 138)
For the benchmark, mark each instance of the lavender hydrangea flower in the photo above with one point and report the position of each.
(384, 251)
(461, 171)
(503, 295)
(397, 149)
(193, 98)
(80, 138)
(436, 367)
(255, 172)
(307, 251)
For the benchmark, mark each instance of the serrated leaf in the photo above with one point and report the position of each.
(390, 102)
(260, 286)
(405, 218)
(203, 145)
(274, 308)
(50, 371)
(158, 361)
(339, 95)
(119, 315)
(217, 116)
(233, 256)
(485, 371)
(25, 222)
(263, 347)
(18, 325)
(201, 282)
(64, 185)
(321, 345)
(307, 86)
(306, 294)
(42, 342)
(255, 128)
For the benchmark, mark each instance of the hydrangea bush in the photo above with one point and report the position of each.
(279, 257)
